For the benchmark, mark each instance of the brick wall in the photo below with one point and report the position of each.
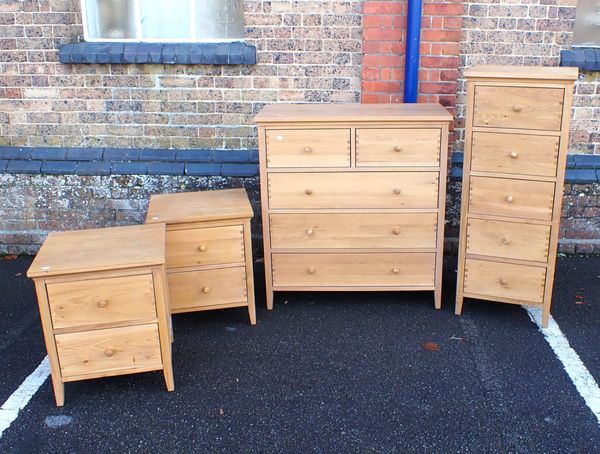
(307, 51)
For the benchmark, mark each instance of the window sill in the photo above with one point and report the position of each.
(226, 53)
(585, 58)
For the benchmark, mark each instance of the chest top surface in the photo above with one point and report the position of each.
(549, 73)
(199, 206)
(83, 251)
(274, 113)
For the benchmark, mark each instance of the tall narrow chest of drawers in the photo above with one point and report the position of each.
(516, 137)
(353, 196)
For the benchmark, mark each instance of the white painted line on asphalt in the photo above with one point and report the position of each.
(578, 373)
(21, 397)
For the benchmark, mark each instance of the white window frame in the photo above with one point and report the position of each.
(138, 29)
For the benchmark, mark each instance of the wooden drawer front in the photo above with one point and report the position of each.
(308, 148)
(508, 240)
(397, 147)
(353, 230)
(101, 301)
(353, 190)
(518, 107)
(206, 246)
(504, 280)
(353, 269)
(516, 198)
(514, 153)
(109, 351)
(193, 289)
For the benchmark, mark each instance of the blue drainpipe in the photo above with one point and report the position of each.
(413, 39)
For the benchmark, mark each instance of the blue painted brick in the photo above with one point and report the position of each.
(121, 154)
(155, 52)
(231, 155)
(168, 54)
(49, 153)
(64, 53)
(129, 53)
(93, 168)
(15, 153)
(3, 164)
(590, 63)
(165, 168)
(458, 159)
(581, 176)
(129, 168)
(587, 161)
(239, 170)
(182, 54)
(203, 169)
(566, 58)
(115, 53)
(152, 154)
(195, 155)
(570, 161)
(59, 167)
(84, 154)
(222, 54)
(236, 53)
(142, 53)
(456, 173)
(249, 55)
(209, 54)
(196, 55)
(18, 166)
(253, 156)
(78, 53)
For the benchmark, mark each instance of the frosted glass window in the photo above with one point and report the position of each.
(587, 24)
(163, 20)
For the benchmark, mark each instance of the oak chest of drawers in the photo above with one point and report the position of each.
(103, 302)
(209, 249)
(353, 196)
(517, 130)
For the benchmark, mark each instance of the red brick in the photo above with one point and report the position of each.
(440, 35)
(438, 88)
(442, 9)
(440, 62)
(392, 7)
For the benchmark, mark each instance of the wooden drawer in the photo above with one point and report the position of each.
(308, 147)
(192, 290)
(518, 107)
(353, 230)
(205, 246)
(514, 153)
(353, 190)
(353, 269)
(102, 301)
(509, 240)
(505, 281)
(512, 198)
(110, 351)
(397, 147)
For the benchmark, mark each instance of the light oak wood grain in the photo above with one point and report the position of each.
(397, 147)
(525, 73)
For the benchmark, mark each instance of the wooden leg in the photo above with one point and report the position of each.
(252, 309)
(249, 272)
(459, 302)
(545, 315)
(59, 390)
(438, 298)
(270, 300)
(164, 324)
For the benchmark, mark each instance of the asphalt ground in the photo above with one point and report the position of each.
(326, 372)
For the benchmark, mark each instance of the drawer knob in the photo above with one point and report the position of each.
(397, 191)
(510, 198)
(102, 304)
(506, 241)
(205, 289)
(397, 148)
(311, 270)
(517, 108)
(109, 352)
(308, 191)
(310, 232)
(514, 155)
(395, 271)
(396, 231)
(202, 248)
(503, 281)
(308, 149)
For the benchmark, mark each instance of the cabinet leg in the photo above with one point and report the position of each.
(270, 300)
(545, 316)
(168, 373)
(438, 298)
(459, 305)
(252, 310)
(59, 391)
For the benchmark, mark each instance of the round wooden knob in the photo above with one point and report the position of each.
(109, 352)
(205, 289)
(397, 191)
(487, 122)
(396, 231)
(397, 148)
(308, 149)
(514, 155)
(102, 304)
(202, 248)
(517, 108)
(503, 281)
(310, 232)
(509, 198)
(506, 241)
(308, 191)
(395, 271)
(311, 270)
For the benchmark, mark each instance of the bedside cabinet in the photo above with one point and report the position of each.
(209, 249)
(353, 196)
(516, 138)
(103, 302)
